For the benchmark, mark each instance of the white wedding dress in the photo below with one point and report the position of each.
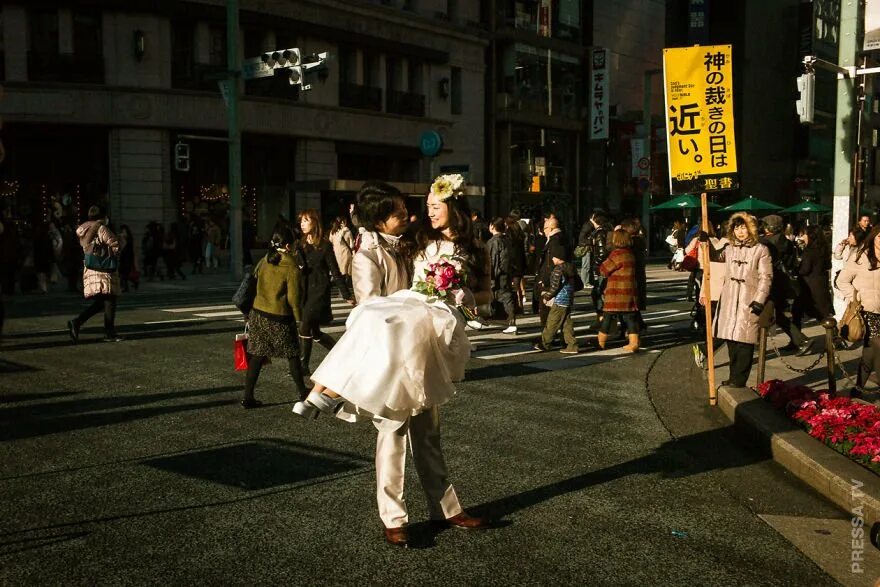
(400, 354)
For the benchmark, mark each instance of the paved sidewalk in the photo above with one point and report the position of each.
(855, 489)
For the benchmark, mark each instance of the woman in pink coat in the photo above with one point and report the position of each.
(101, 287)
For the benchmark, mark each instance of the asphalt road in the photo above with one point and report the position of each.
(132, 463)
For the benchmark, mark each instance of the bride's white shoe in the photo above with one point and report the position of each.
(315, 403)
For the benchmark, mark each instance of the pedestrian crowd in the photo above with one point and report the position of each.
(765, 273)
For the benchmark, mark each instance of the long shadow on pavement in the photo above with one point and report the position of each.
(37, 420)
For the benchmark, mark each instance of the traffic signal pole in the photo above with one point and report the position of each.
(844, 145)
(233, 62)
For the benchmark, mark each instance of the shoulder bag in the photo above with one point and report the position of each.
(852, 325)
(247, 291)
(99, 257)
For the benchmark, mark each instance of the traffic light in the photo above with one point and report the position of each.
(181, 157)
(281, 58)
(296, 76)
(806, 85)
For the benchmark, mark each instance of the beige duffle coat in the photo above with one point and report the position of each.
(748, 279)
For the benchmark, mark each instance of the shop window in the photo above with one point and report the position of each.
(415, 77)
(217, 46)
(43, 31)
(455, 91)
(183, 54)
(531, 88)
(46, 63)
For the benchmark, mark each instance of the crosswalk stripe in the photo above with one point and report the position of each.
(198, 309)
(219, 314)
(175, 321)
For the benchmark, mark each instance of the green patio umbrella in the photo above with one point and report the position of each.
(751, 203)
(683, 201)
(806, 207)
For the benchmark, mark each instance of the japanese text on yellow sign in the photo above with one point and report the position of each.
(699, 119)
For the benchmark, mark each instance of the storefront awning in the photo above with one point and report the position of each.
(417, 190)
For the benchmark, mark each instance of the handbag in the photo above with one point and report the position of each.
(240, 350)
(244, 296)
(852, 325)
(99, 258)
(677, 258)
(691, 261)
(581, 250)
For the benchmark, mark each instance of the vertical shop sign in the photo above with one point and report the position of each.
(598, 93)
(872, 25)
(544, 18)
(698, 87)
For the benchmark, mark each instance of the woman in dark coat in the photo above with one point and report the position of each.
(814, 297)
(317, 263)
(127, 259)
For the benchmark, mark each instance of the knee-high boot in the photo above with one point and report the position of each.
(306, 353)
(326, 341)
(296, 373)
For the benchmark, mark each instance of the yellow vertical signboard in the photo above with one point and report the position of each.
(698, 85)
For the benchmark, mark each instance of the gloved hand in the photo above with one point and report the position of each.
(703, 236)
(757, 308)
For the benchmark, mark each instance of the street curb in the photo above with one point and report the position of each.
(828, 472)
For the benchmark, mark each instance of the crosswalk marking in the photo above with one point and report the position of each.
(197, 309)
(490, 343)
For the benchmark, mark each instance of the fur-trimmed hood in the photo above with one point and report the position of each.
(752, 225)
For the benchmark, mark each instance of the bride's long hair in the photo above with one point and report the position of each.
(462, 228)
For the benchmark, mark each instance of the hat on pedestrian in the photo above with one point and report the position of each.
(773, 223)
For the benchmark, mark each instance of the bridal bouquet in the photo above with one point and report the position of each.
(444, 280)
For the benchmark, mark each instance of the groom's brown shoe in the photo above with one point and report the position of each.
(463, 521)
(397, 536)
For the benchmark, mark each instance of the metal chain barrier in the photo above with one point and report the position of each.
(818, 360)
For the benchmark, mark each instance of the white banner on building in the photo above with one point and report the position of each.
(641, 159)
(599, 95)
(872, 25)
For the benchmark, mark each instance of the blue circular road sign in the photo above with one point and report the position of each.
(430, 143)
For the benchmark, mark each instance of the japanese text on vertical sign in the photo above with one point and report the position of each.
(699, 107)
(599, 98)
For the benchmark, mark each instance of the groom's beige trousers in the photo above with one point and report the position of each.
(423, 432)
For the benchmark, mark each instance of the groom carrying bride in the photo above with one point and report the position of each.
(402, 354)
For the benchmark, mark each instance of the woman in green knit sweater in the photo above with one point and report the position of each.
(272, 321)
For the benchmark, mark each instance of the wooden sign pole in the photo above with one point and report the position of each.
(706, 294)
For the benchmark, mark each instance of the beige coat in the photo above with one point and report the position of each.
(98, 282)
(748, 279)
(856, 275)
(342, 249)
(377, 269)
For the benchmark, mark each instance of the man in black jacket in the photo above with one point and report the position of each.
(555, 246)
(499, 249)
(598, 253)
(783, 256)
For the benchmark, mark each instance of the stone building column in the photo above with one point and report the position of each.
(15, 46)
(140, 178)
(315, 160)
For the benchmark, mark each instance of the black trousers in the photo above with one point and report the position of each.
(740, 354)
(104, 302)
(505, 297)
(795, 336)
(255, 365)
(870, 361)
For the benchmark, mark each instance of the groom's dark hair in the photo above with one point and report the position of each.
(376, 201)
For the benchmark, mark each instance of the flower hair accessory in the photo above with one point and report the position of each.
(448, 186)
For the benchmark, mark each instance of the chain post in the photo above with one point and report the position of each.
(830, 325)
(762, 353)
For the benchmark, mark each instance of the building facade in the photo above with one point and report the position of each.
(543, 154)
(97, 95)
